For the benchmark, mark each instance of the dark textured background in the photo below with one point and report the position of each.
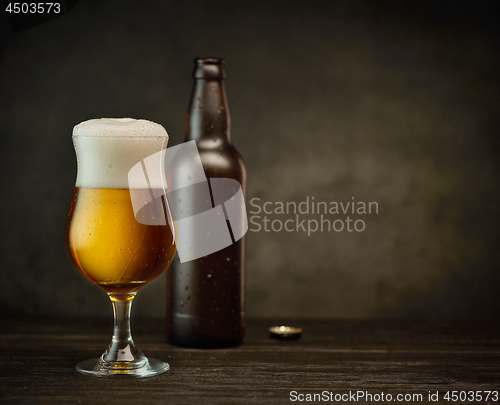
(393, 102)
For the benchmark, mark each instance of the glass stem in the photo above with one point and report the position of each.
(122, 347)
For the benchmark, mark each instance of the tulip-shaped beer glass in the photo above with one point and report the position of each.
(120, 233)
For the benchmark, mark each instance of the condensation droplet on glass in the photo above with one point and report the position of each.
(228, 259)
(181, 303)
(209, 275)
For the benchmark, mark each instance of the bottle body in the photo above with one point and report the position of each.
(206, 296)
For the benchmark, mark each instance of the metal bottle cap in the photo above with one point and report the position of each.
(285, 332)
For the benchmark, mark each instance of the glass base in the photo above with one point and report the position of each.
(98, 368)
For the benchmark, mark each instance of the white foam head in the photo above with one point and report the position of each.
(121, 127)
(107, 148)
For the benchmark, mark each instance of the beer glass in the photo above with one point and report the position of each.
(120, 233)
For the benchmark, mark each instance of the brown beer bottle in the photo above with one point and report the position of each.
(206, 296)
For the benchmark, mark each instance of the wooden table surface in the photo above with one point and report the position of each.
(336, 359)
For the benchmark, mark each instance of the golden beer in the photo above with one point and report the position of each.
(107, 243)
(120, 233)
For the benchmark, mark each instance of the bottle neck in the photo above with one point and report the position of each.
(208, 113)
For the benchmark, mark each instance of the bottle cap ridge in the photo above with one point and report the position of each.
(285, 332)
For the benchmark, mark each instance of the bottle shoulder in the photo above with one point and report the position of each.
(222, 159)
